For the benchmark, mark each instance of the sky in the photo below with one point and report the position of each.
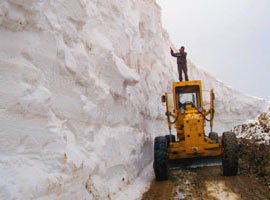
(229, 38)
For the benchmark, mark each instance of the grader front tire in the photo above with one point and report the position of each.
(168, 139)
(230, 154)
(161, 168)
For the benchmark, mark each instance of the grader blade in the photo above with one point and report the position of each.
(192, 163)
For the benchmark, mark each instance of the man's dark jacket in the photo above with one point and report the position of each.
(181, 57)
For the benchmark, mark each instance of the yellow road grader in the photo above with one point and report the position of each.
(191, 141)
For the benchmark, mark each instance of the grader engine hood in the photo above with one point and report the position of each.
(194, 133)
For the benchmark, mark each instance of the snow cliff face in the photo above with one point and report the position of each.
(80, 87)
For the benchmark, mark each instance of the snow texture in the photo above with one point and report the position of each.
(80, 87)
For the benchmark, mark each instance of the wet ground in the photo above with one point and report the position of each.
(208, 183)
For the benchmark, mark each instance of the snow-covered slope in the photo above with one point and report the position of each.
(80, 86)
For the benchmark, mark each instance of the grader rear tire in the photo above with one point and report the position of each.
(161, 168)
(230, 154)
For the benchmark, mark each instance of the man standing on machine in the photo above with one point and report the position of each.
(181, 62)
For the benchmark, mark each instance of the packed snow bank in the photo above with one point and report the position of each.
(80, 86)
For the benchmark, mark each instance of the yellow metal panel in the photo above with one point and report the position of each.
(193, 130)
(177, 150)
(186, 83)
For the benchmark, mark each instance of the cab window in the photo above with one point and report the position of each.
(188, 95)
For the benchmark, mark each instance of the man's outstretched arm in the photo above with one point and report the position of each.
(173, 54)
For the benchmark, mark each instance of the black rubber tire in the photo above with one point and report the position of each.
(168, 139)
(161, 168)
(156, 145)
(213, 136)
(230, 154)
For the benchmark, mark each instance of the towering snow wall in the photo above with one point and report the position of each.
(80, 86)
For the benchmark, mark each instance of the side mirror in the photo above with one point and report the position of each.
(163, 99)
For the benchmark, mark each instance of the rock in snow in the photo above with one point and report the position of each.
(80, 86)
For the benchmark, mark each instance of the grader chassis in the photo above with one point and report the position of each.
(191, 141)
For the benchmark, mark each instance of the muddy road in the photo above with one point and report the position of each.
(207, 183)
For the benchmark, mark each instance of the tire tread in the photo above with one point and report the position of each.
(161, 159)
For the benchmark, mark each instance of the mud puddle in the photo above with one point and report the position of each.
(207, 183)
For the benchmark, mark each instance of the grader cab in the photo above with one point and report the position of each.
(190, 139)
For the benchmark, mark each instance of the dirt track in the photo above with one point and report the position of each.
(207, 184)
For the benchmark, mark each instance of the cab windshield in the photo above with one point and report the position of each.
(188, 98)
(188, 95)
